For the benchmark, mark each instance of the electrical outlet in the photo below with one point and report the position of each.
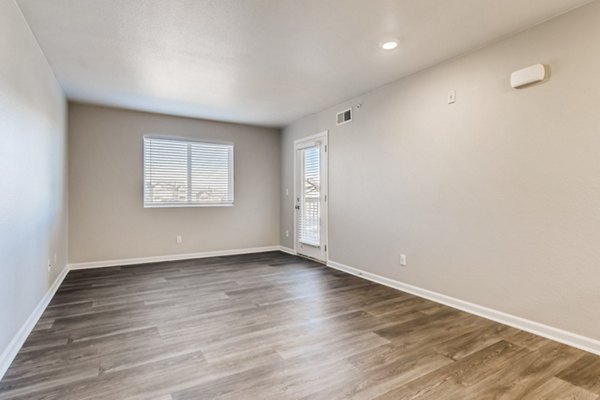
(287, 233)
(179, 239)
(403, 260)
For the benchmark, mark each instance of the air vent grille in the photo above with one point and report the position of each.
(343, 117)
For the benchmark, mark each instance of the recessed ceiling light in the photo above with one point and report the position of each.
(390, 45)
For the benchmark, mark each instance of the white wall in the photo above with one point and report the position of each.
(33, 160)
(495, 199)
(107, 219)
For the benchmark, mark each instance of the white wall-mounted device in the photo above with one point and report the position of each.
(527, 76)
(452, 97)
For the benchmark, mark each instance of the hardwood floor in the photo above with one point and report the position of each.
(274, 326)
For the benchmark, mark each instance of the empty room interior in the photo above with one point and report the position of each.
(299, 199)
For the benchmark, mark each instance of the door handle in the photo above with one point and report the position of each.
(297, 206)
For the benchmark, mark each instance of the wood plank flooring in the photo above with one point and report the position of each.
(273, 326)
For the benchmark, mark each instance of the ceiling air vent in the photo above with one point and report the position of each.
(344, 117)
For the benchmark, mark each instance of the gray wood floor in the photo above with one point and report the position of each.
(274, 326)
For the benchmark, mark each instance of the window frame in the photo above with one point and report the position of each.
(189, 203)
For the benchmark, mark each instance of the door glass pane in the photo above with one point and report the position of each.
(310, 200)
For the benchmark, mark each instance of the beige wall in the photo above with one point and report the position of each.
(33, 202)
(107, 218)
(495, 199)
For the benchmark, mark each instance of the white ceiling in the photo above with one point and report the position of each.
(263, 62)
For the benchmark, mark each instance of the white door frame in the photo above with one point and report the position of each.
(324, 138)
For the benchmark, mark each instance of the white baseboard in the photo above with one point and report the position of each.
(9, 354)
(549, 332)
(172, 257)
(287, 250)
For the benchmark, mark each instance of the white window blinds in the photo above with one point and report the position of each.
(309, 217)
(179, 173)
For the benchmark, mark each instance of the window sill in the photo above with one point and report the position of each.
(186, 205)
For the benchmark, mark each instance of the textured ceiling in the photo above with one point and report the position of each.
(263, 62)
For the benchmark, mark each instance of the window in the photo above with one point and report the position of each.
(181, 173)
(309, 216)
